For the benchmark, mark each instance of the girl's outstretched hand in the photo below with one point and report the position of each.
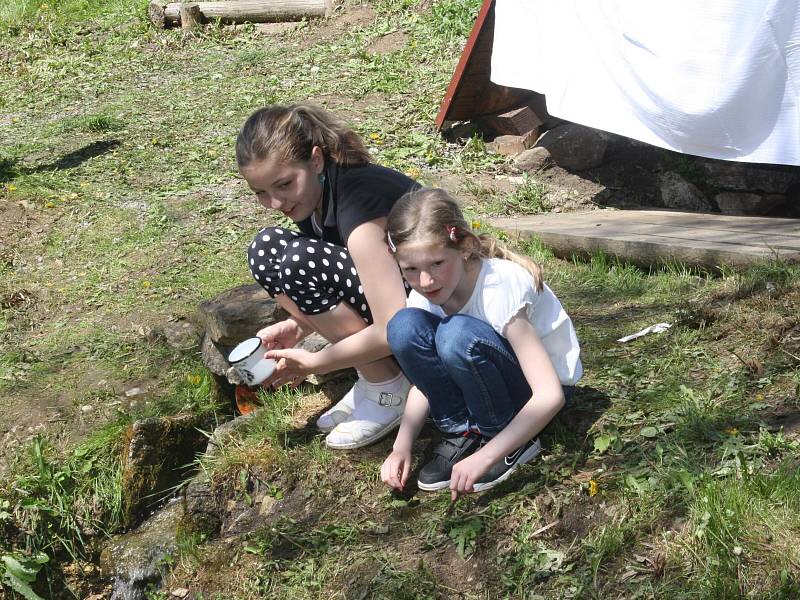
(465, 473)
(395, 469)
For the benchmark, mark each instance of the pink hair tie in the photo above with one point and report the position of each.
(451, 229)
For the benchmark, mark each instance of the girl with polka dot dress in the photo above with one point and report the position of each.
(492, 354)
(335, 275)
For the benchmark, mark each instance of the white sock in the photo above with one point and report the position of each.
(384, 384)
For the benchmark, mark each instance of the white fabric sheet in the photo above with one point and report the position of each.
(718, 78)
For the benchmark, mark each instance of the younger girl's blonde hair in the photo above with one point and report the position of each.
(289, 133)
(431, 215)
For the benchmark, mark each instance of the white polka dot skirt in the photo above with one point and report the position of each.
(316, 275)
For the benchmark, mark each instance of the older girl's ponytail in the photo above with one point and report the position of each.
(289, 133)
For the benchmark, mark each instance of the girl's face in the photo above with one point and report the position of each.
(292, 188)
(438, 273)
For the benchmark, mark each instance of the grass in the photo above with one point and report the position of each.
(122, 210)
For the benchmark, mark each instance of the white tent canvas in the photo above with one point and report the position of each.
(716, 79)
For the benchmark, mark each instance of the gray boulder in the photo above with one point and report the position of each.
(748, 203)
(574, 146)
(679, 194)
(238, 313)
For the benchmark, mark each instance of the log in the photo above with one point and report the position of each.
(190, 15)
(155, 10)
(243, 11)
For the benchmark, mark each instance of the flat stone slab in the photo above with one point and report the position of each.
(652, 237)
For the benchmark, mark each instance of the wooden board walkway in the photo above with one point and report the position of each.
(651, 237)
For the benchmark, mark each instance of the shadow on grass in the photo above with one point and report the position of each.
(9, 169)
(79, 156)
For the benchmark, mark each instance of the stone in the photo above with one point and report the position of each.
(179, 593)
(509, 145)
(239, 313)
(214, 357)
(574, 146)
(461, 131)
(747, 203)
(518, 121)
(680, 194)
(745, 177)
(135, 561)
(533, 159)
(157, 453)
(181, 334)
(202, 512)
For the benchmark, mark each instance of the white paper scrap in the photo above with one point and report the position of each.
(657, 328)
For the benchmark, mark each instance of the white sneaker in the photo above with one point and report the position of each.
(377, 411)
(341, 411)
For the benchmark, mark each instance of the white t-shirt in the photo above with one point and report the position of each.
(502, 289)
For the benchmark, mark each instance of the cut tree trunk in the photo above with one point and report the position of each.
(241, 11)
(190, 15)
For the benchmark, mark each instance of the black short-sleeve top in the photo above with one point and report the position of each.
(354, 195)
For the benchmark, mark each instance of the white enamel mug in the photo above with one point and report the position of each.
(247, 359)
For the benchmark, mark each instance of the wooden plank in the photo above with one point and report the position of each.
(650, 237)
(452, 88)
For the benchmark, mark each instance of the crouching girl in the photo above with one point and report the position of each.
(487, 345)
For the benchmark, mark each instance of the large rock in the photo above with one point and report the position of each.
(533, 159)
(239, 313)
(747, 203)
(679, 194)
(574, 146)
(158, 453)
(510, 145)
(744, 177)
(135, 562)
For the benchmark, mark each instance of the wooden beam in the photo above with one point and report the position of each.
(242, 11)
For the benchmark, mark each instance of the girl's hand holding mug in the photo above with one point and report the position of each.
(283, 334)
(294, 364)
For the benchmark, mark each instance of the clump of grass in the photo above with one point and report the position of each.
(530, 198)
(60, 504)
(97, 123)
(741, 536)
(610, 276)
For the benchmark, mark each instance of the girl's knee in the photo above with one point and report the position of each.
(407, 324)
(455, 335)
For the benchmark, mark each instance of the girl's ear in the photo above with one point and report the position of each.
(317, 160)
(469, 246)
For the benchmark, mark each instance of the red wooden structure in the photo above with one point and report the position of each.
(470, 92)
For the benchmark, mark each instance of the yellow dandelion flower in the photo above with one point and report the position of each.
(146, 284)
(732, 431)
(11, 187)
(193, 379)
(476, 224)
(374, 136)
(414, 173)
(50, 205)
(84, 183)
(593, 487)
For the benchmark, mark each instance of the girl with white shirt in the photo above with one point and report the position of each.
(488, 346)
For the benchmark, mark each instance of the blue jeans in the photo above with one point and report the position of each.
(467, 371)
